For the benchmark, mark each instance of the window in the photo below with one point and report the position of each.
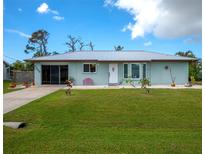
(144, 71)
(92, 67)
(54, 74)
(135, 70)
(86, 67)
(89, 68)
(125, 70)
(63, 73)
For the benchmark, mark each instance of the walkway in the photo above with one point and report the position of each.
(14, 100)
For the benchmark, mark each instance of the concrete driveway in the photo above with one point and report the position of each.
(14, 100)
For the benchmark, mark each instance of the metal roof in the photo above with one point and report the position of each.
(107, 55)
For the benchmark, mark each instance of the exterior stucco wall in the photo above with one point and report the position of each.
(37, 74)
(120, 73)
(156, 72)
(159, 75)
(75, 70)
(99, 78)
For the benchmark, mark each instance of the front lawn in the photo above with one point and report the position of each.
(109, 121)
(6, 88)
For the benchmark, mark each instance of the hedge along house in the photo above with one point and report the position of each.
(110, 68)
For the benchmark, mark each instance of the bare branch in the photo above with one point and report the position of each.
(72, 43)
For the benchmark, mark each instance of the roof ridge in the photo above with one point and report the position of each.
(166, 54)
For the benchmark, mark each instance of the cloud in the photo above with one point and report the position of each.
(193, 40)
(20, 9)
(44, 8)
(58, 18)
(162, 18)
(148, 43)
(18, 32)
(108, 2)
(54, 12)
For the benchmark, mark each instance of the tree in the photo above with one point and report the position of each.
(76, 43)
(17, 65)
(118, 48)
(22, 66)
(72, 42)
(81, 43)
(55, 53)
(91, 45)
(188, 53)
(194, 66)
(37, 43)
(144, 83)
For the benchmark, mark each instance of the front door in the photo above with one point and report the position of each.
(113, 73)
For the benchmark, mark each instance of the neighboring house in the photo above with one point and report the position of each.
(6, 71)
(110, 67)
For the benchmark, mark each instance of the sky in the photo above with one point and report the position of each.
(165, 26)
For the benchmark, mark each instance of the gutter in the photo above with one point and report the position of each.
(94, 60)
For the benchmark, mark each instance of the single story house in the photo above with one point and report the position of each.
(110, 68)
(6, 71)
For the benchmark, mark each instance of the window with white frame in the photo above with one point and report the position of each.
(89, 68)
(135, 71)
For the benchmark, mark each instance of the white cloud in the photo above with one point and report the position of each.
(54, 12)
(148, 43)
(20, 9)
(58, 18)
(44, 8)
(18, 32)
(162, 18)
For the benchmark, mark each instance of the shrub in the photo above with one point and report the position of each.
(12, 85)
(193, 80)
(144, 83)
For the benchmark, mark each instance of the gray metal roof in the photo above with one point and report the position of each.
(111, 56)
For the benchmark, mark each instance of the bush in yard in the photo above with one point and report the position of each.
(12, 85)
(144, 83)
(129, 81)
(192, 80)
(69, 85)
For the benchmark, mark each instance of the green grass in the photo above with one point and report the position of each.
(109, 121)
(6, 88)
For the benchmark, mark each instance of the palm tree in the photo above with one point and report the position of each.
(118, 48)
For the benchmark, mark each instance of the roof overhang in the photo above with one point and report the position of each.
(94, 60)
(173, 60)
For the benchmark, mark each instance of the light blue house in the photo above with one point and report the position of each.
(110, 68)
